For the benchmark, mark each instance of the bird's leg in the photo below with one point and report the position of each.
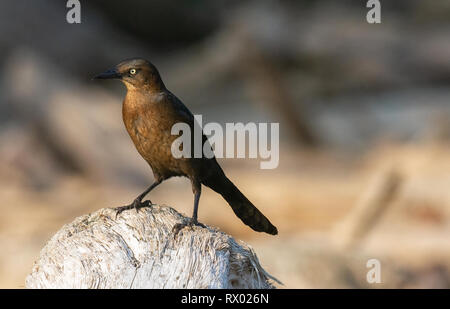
(137, 203)
(191, 221)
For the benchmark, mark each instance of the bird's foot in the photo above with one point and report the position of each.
(137, 204)
(188, 222)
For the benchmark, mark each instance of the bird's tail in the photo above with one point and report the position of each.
(241, 206)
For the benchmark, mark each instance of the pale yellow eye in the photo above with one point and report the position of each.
(133, 71)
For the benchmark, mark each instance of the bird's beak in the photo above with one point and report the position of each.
(110, 74)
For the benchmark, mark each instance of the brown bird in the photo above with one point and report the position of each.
(149, 111)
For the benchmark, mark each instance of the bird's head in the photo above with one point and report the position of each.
(135, 74)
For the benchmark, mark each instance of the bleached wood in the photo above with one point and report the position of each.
(138, 250)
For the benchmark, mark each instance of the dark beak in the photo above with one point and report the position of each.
(110, 74)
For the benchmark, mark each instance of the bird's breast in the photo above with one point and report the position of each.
(150, 130)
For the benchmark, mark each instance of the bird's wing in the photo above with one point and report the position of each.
(181, 109)
(185, 115)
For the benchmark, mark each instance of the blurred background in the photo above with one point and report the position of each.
(363, 109)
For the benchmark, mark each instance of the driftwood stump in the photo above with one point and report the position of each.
(138, 250)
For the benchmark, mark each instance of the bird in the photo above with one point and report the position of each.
(149, 112)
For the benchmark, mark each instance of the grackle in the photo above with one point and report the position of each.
(149, 111)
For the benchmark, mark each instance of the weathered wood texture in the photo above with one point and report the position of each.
(138, 250)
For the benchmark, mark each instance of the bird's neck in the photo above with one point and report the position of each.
(137, 98)
(156, 87)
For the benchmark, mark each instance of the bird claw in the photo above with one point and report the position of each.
(186, 223)
(136, 205)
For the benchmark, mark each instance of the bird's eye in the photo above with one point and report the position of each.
(133, 71)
